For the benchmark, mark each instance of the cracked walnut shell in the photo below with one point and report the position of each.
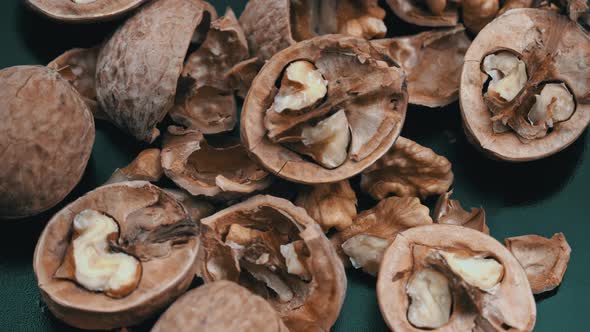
(449, 211)
(83, 10)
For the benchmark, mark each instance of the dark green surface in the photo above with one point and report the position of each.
(542, 197)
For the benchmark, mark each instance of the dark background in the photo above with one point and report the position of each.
(542, 197)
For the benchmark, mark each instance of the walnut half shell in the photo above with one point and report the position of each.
(83, 11)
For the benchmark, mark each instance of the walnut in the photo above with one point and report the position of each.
(302, 86)
(329, 204)
(449, 211)
(84, 10)
(536, 100)
(365, 91)
(408, 169)
(147, 166)
(488, 287)
(544, 260)
(478, 13)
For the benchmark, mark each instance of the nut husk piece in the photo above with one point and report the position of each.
(544, 260)
(205, 101)
(432, 60)
(46, 140)
(147, 166)
(219, 307)
(240, 76)
(562, 51)
(222, 170)
(153, 226)
(367, 85)
(329, 204)
(408, 169)
(509, 306)
(411, 12)
(69, 11)
(449, 211)
(138, 68)
(313, 304)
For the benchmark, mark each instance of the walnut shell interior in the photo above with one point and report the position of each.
(68, 10)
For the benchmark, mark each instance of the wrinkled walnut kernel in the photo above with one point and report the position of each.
(327, 142)
(301, 87)
(431, 299)
(365, 251)
(483, 273)
(508, 75)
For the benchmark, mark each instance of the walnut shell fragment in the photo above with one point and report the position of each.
(83, 10)
(147, 166)
(544, 260)
(41, 164)
(197, 209)
(373, 230)
(408, 169)
(435, 14)
(449, 211)
(154, 228)
(138, 68)
(277, 251)
(205, 100)
(219, 307)
(220, 168)
(240, 76)
(329, 204)
(432, 60)
(537, 102)
(359, 81)
(273, 25)
(465, 258)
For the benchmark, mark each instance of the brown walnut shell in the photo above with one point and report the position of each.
(564, 50)
(220, 306)
(138, 68)
(154, 227)
(315, 302)
(46, 140)
(449, 211)
(509, 306)
(69, 11)
(366, 84)
(147, 166)
(411, 12)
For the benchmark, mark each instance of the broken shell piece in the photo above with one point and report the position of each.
(408, 169)
(139, 66)
(196, 208)
(276, 227)
(220, 169)
(83, 10)
(508, 306)
(329, 204)
(449, 211)
(430, 299)
(478, 13)
(546, 59)
(432, 60)
(219, 307)
(91, 263)
(365, 251)
(153, 227)
(301, 87)
(544, 260)
(240, 76)
(483, 273)
(327, 142)
(431, 14)
(147, 166)
(363, 83)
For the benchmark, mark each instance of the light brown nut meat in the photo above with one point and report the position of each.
(219, 307)
(373, 230)
(408, 169)
(220, 168)
(273, 25)
(449, 211)
(432, 60)
(471, 262)
(83, 10)
(544, 260)
(147, 166)
(330, 204)
(515, 52)
(248, 243)
(46, 140)
(363, 83)
(414, 12)
(153, 227)
(138, 68)
(205, 101)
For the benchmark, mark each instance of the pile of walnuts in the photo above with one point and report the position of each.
(269, 220)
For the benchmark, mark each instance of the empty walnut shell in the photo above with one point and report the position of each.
(508, 306)
(70, 11)
(556, 54)
(46, 140)
(219, 307)
(414, 12)
(220, 169)
(364, 83)
(138, 68)
(154, 227)
(305, 303)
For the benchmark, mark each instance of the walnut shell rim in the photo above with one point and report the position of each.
(66, 11)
